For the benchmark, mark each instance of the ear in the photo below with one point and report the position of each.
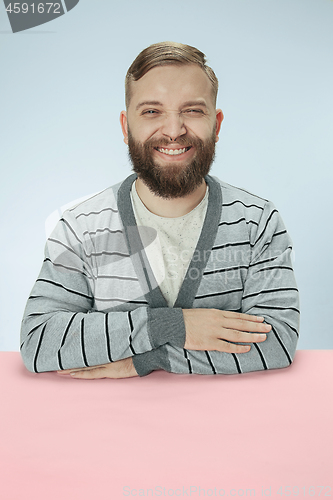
(123, 124)
(219, 119)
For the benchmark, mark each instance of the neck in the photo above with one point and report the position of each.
(175, 207)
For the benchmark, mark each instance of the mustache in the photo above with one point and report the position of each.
(181, 141)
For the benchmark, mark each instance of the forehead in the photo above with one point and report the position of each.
(173, 84)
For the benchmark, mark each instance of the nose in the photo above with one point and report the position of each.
(173, 125)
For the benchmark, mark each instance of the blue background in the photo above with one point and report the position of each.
(62, 89)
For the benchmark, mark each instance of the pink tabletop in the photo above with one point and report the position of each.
(166, 435)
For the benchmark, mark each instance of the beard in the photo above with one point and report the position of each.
(171, 180)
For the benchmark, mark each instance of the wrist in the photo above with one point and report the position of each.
(131, 368)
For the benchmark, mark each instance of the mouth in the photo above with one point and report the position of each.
(173, 152)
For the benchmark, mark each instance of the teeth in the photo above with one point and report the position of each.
(171, 152)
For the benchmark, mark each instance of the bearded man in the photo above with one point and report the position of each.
(171, 269)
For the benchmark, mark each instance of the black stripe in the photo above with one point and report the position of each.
(97, 254)
(231, 245)
(238, 201)
(275, 234)
(224, 270)
(263, 261)
(35, 314)
(131, 328)
(82, 343)
(291, 328)
(210, 362)
(261, 356)
(67, 289)
(188, 361)
(237, 362)
(63, 341)
(218, 293)
(262, 292)
(108, 336)
(281, 343)
(267, 221)
(71, 229)
(130, 321)
(63, 245)
(112, 231)
(120, 300)
(237, 222)
(278, 308)
(275, 267)
(35, 328)
(38, 348)
(35, 297)
(279, 233)
(96, 213)
(67, 267)
(136, 302)
(231, 223)
(268, 260)
(117, 277)
(69, 248)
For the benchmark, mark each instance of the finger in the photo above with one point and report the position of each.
(89, 374)
(231, 348)
(245, 325)
(82, 368)
(239, 336)
(67, 372)
(237, 315)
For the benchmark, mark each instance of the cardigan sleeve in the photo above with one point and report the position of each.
(269, 290)
(62, 329)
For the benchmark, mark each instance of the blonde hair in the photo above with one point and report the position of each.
(164, 53)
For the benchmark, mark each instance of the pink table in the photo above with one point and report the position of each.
(167, 435)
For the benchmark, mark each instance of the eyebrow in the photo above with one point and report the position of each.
(158, 103)
(195, 103)
(148, 103)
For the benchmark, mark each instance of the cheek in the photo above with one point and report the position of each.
(201, 130)
(145, 130)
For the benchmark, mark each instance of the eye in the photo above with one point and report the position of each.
(194, 111)
(150, 112)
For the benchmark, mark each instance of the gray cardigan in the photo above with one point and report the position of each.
(96, 299)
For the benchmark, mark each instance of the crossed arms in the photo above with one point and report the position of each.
(62, 331)
(205, 330)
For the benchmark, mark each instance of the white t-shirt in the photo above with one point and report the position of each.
(177, 238)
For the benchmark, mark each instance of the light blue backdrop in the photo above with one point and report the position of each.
(62, 89)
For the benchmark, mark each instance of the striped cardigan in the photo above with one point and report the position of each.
(96, 299)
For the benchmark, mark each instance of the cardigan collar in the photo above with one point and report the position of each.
(200, 257)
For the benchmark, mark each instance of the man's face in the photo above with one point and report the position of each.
(171, 128)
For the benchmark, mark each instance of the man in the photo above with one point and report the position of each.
(171, 269)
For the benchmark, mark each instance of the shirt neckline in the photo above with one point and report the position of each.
(136, 198)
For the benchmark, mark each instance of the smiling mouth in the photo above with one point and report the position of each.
(173, 152)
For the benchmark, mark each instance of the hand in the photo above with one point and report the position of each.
(124, 368)
(206, 329)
